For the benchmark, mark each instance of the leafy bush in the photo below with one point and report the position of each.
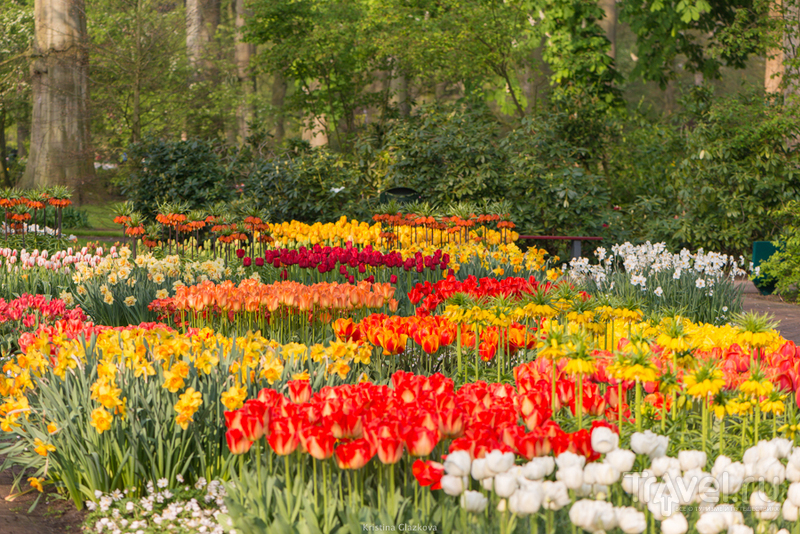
(710, 180)
(314, 185)
(783, 267)
(189, 171)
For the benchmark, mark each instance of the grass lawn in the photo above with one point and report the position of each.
(101, 217)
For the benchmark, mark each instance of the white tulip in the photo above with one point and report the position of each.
(525, 502)
(751, 456)
(473, 501)
(649, 443)
(593, 516)
(501, 506)
(480, 470)
(500, 462)
(794, 493)
(771, 470)
(663, 505)
(763, 507)
(604, 440)
(487, 483)
(720, 464)
(782, 531)
(538, 468)
(783, 447)
(792, 472)
(572, 476)
(556, 495)
(633, 483)
(740, 529)
(789, 511)
(767, 449)
(692, 460)
(505, 484)
(794, 457)
(570, 459)
(675, 524)
(606, 474)
(661, 465)
(453, 485)
(621, 459)
(631, 520)
(458, 464)
(712, 522)
(732, 478)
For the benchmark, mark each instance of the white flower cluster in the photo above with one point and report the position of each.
(33, 229)
(161, 510)
(666, 486)
(670, 483)
(640, 261)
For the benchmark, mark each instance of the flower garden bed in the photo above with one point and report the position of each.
(424, 375)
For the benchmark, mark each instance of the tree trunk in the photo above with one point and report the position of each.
(23, 129)
(609, 23)
(202, 19)
(402, 97)
(3, 155)
(774, 68)
(278, 96)
(136, 112)
(244, 52)
(60, 152)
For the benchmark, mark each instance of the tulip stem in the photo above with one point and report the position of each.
(703, 418)
(579, 402)
(288, 477)
(458, 347)
(722, 436)
(258, 467)
(619, 407)
(316, 495)
(638, 406)
(392, 505)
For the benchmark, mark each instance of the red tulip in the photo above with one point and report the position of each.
(317, 441)
(420, 441)
(258, 409)
(346, 426)
(451, 423)
(252, 427)
(233, 420)
(299, 391)
(353, 455)
(390, 450)
(237, 442)
(428, 473)
(283, 437)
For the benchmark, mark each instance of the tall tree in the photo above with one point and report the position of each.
(60, 145)
(773, 68)
(202, 19)
(244, 52)
(138, 69)
(16, 38)
(609, 23)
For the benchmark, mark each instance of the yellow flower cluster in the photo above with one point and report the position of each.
(181, 357)
(294, 233)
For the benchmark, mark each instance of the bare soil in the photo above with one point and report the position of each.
(53, 514)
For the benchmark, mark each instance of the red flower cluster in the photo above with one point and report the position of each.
(349, 261)
(355, 423)
(431, 333)
(432, 295)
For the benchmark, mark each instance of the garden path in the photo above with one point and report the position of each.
(788, 314)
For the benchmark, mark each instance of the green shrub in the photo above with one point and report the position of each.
(188, 171)
(783, 267)
(314, 185)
